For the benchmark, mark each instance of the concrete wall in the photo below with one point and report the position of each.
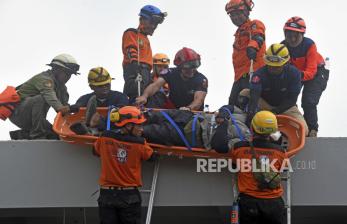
(57, 174)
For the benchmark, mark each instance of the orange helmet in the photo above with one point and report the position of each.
(233, 5)
(295, 23)
(125, 115)
(161, 59)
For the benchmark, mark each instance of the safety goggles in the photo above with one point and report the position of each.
(191, 64)
(71, 67)
(274, 58)
(162, 60)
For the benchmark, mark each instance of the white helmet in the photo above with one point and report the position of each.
(66, 62)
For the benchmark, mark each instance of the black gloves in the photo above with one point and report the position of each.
(74, 108)
(251, 53)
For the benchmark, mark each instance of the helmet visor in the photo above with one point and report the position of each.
(191, 64)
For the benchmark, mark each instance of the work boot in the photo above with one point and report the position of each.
(19, 134)
(313, 133)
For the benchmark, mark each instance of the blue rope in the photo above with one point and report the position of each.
(172, 122)
(196, 116)
(242, 138)
(108, 118)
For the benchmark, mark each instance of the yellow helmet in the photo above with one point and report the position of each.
(161, 59)
(276, 55)
(264, 123)
(98, 76)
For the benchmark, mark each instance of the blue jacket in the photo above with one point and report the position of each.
(280, 91)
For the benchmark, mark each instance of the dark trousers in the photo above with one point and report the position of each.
(130, 72)
(261, 211)
(238, 86)
(30, 116)
(311, 94)
(119, 206)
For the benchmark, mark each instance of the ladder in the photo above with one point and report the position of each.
(152, 191)
(287, 179)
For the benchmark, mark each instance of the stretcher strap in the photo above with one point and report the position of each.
(242, 138)
(172, 122)
(108, 118)
(196, 116)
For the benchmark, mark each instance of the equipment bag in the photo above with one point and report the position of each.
(9, 98)
(265, 179)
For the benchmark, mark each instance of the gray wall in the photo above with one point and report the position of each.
(57, 174)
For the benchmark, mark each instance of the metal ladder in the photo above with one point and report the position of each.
(287, 179)
(152, 191)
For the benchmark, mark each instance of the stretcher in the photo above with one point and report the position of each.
(293, 136)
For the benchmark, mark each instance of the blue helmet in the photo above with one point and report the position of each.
(152, 13)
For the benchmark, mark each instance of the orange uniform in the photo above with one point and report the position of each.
(243, 39)
(246, 182)
(121, 161)
(132, 39)
(306, 58)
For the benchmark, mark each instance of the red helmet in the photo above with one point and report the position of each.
(295, 23)
(233, 5)
(187, 58)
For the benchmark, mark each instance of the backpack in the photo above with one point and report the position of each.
(265, 179)
(9, 98)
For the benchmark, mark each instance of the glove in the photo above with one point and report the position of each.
(251, 53)
(223, 113)
(64, 110)
(74, 108)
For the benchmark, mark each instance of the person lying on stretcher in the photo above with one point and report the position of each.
(218, 131)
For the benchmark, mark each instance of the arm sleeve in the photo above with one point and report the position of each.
(130, 45)
(46, 89)
(201, 84)
(257, 35)
(311, 63)
(255, 92)
(147, 152)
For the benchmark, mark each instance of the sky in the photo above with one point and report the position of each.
(35, 31)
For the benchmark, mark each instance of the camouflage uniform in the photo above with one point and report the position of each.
(37, 95)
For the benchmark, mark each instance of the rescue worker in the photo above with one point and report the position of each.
(260, 193)
(161, 62)
(38, 94)
(249, 44)
(137, 52)
(188, 87)
(275, 86)
(100, 82)
(121, 154)
(304, 55)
